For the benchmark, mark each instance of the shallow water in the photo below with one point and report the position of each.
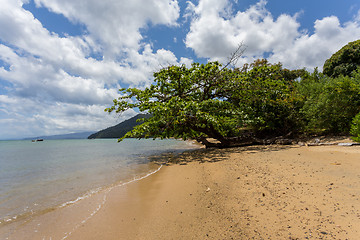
(35, 176)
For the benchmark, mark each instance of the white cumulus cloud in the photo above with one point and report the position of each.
(50, 76)
(215, 34)
(116, 23)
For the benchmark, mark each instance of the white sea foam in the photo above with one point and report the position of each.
(87, 195)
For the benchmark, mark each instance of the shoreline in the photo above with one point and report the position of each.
(10, 227)
(25, 216)
(275, 192)
(57, 183)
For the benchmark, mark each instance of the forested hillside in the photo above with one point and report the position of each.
(119, 130)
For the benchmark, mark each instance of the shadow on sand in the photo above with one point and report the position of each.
(212, 155)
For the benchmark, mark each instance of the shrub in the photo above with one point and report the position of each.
(355, 128)
(330, 103)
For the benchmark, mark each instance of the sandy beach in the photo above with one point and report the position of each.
(260, 192)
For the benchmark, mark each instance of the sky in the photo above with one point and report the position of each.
(63, 61)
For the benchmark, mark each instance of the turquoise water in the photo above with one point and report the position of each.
(35, 176)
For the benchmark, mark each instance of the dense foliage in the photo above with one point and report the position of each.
(267, 94)
(330, 103)
(257, 103)
(344, 61)
(210, 101)
(355, 128)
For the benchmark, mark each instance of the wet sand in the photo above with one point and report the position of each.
(260, 192)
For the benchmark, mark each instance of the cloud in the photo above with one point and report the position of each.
(50, 77)
(49, 118)
(215, 34)
(312, 50)
(186, 61)
(30, 41)
(116, 23)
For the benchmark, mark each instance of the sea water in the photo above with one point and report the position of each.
(38, 176)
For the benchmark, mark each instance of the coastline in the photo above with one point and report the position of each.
(262, 192)
(37, 178)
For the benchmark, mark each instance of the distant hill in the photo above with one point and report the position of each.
(120, 129)
(81, 135)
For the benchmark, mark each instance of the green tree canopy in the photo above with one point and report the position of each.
(209, 100)
(355, 128)
(344, 61)
(330, 104)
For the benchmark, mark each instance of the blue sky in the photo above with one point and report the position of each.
(62, 61)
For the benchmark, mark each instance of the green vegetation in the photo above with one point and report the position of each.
(259, 103)
(120, 129)
(210, 101)
(267, 95)
(355, 128)
(343, 62)
(330, 103)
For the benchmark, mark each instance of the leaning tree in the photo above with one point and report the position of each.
(208, 102)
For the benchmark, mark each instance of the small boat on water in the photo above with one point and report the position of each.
(38, 140)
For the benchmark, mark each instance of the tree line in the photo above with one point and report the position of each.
(259, 103)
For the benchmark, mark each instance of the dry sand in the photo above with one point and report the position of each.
(242, 193)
